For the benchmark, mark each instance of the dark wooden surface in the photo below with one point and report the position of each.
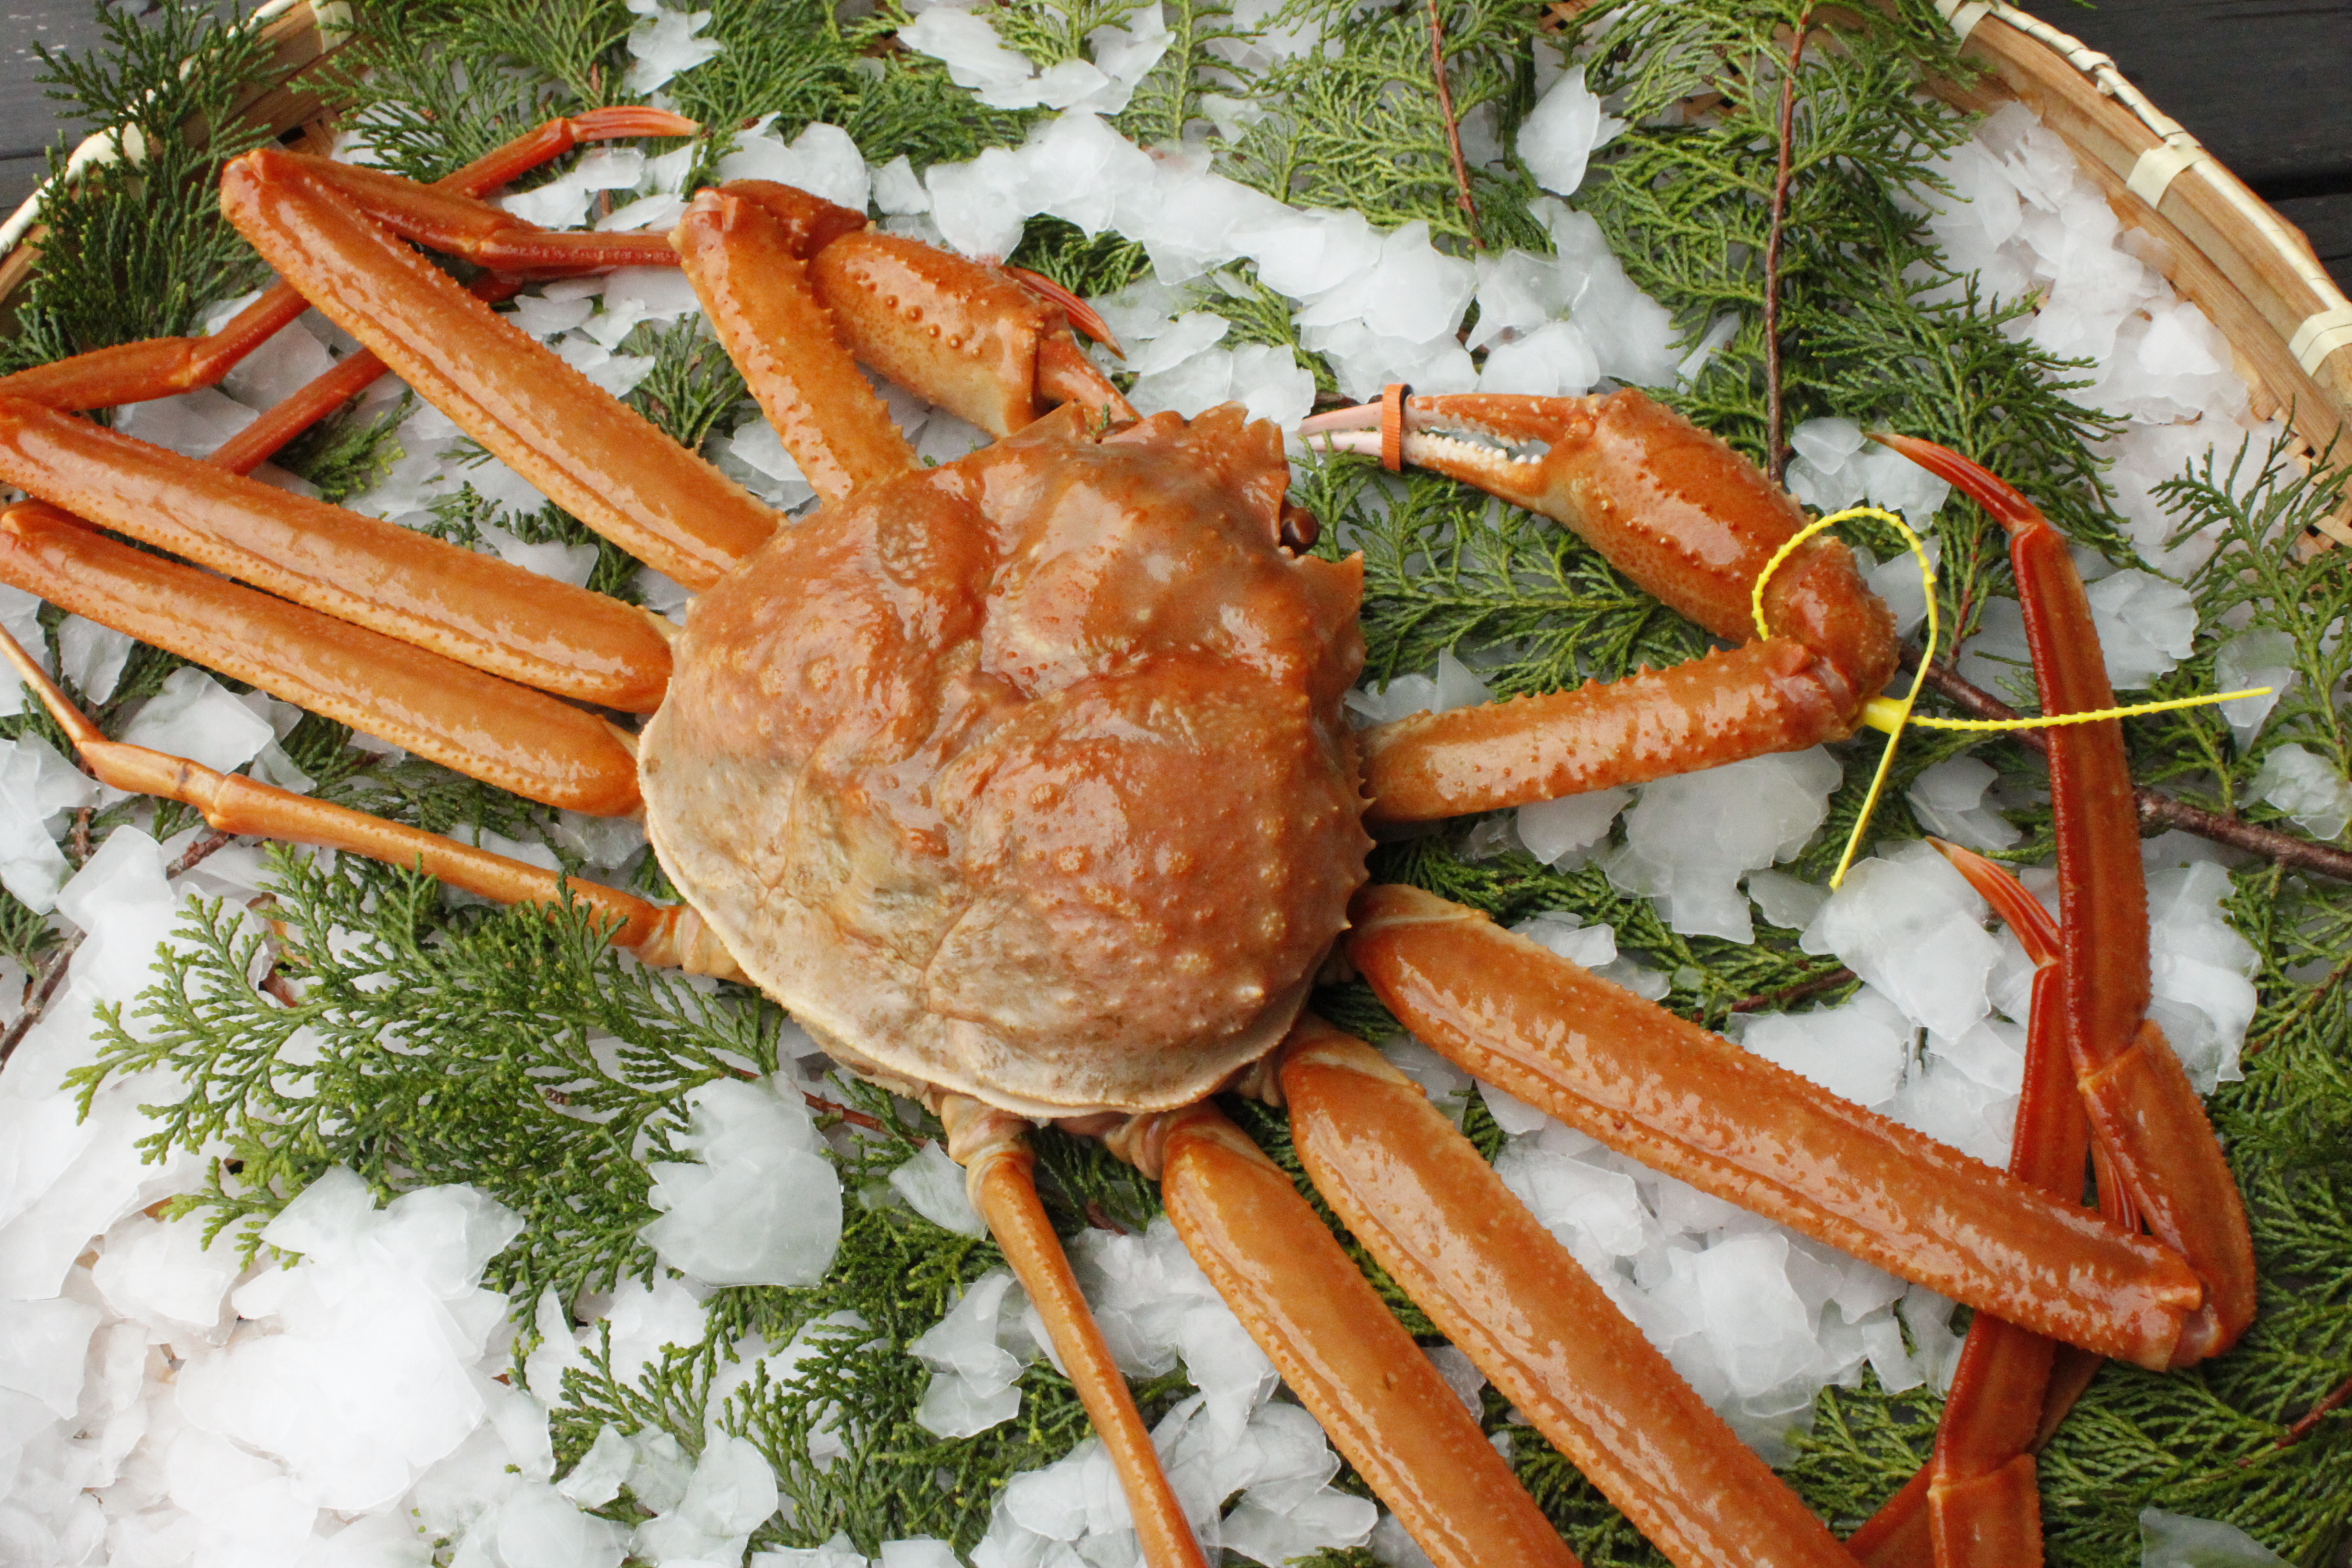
(2266, 84)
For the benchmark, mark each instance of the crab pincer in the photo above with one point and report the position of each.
(1675, 509)
(2143, 1111)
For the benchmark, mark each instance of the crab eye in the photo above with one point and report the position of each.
(1300, 528)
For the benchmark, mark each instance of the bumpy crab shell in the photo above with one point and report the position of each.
(1027, 776)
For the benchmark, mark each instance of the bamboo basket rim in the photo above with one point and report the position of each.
(2253, 274)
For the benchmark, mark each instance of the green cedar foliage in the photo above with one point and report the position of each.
(511, 1049)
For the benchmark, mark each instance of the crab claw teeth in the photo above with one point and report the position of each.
(1988, 490)
(1513, 419)
(1516, 479)
(1519, 480)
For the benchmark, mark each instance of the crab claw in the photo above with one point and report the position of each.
(1672, 506)
(1402, 428)
(1988, 490)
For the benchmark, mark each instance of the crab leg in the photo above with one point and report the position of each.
(596, 457)
(670, 935)
(159, 367)
(1470, 1254)
(471, 607)
(499, 732)
(1685, 1101)
(2143, 1111)
(1975, 1504)
(741, 246)
(1341, 1351)
(992, 1146)
(1692, 523)
(967, 336)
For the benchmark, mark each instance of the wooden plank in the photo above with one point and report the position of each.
(2261, 85)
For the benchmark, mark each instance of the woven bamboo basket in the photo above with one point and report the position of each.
(2250, 271)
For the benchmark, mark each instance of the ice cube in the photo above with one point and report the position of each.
(1857, 1050)
(1555, 830)
(194, 716)
(2307, 787)
(934, 1187)
(1557, 139)
(1911, 927)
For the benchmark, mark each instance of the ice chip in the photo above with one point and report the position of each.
(934, 1187)
(1691, 838)
(980, 206)
(161, 1274)
(596, 1479)
(539, 1528)
(192, 423)
(194, 716)
(1587, 1206)
(1557, 139)
(763, 1207)
(898, 190)
(42, 1346)
(1911, 927)
(1554, 830)
(1751, 1316)
(2202, 970)
(2179, 1541)
(2146, 626)
(822, 160)
(663, 44)
(968, 46)
(327, 1219)
(2307, 787)
(1556, 360)
(2264, 655)
(90, 657)
(1857, 1050)
(1786, 900)
(1948, 800)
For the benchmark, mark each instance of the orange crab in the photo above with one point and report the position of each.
(1023, 783)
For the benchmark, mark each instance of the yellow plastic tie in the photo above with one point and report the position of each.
(1890, 714)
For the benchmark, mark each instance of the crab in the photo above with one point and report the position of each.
(1023, 783)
